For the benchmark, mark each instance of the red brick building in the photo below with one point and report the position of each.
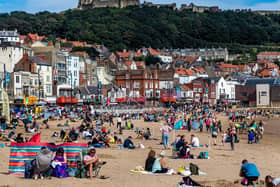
(139, 83)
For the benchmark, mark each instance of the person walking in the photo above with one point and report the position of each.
(165, 130)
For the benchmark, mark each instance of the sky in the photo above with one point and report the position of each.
(33, 6)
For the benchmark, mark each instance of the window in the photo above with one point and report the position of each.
(244, 94)
(31, 82)
(136, 85)
(146, 85)
(48, 89)
(48, 68)
(155, 75)
(127, 85)
(146, 75)
(84, 77)
(151, 85)
(127, 76)
(263, 93)
(200, 90)
(75, 73)
(36, 82)
(195, 89)
(156, 86)
(48, 78)
(17, 79)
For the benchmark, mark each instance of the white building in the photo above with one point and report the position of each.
(73, 70)
(11, 54)
(10, 36)
(24, 84)
(225, 89)
(45, 74)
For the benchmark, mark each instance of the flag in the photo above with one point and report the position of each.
(5, 106)
(36, 138)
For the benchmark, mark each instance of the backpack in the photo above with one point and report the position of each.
(203, 155)
(194, 169)
(29, 169)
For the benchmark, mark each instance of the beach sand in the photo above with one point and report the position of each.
(222, 168)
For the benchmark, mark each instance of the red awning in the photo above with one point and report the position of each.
(65, 100)
(168, 99)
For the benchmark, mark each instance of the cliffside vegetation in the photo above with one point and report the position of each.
(135, 27)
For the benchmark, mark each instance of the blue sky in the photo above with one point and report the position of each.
(59, 5)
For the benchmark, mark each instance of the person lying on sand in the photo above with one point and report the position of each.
(271, 181)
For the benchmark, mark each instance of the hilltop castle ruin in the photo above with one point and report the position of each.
(88, 4)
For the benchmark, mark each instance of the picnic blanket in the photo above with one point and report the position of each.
(21, 152)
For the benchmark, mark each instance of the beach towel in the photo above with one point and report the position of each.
(151, 173)
(21, 152)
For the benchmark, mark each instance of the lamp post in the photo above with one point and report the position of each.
(39, 68)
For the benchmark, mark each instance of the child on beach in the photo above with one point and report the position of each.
(251, 137)
(224, 138)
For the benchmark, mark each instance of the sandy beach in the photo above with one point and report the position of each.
(222, 168)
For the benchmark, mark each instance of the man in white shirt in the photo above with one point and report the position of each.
(119, 122)
(194, 141)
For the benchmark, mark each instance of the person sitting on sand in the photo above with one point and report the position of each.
(150, 160)
(159, 165)
(250, 173)
(147, 135)
(184, 151)
(128, 143)
(271, 181)
(60, 163)
(194, 141)
(91, 160)
(180, 143)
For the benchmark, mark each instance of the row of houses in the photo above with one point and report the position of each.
(46, 69)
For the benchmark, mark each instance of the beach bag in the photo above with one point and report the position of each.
(28, 169)
(189, 182)
(71, 172)
(194, 169)
(203, 155)
(81, 172)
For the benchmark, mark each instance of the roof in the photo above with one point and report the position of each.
(227, 66)
(270, 81)
(187, 87)
(269, 53)
(35, 37)
(153, 52)
(265, 73)
(39, 61)
(242, 67)
(78, 44)
(123, 54)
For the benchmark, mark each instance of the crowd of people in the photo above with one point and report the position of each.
(102, 130)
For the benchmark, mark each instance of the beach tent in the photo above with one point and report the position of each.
(178, 125)
(21, 152)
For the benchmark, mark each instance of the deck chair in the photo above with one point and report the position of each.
(82, 171)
